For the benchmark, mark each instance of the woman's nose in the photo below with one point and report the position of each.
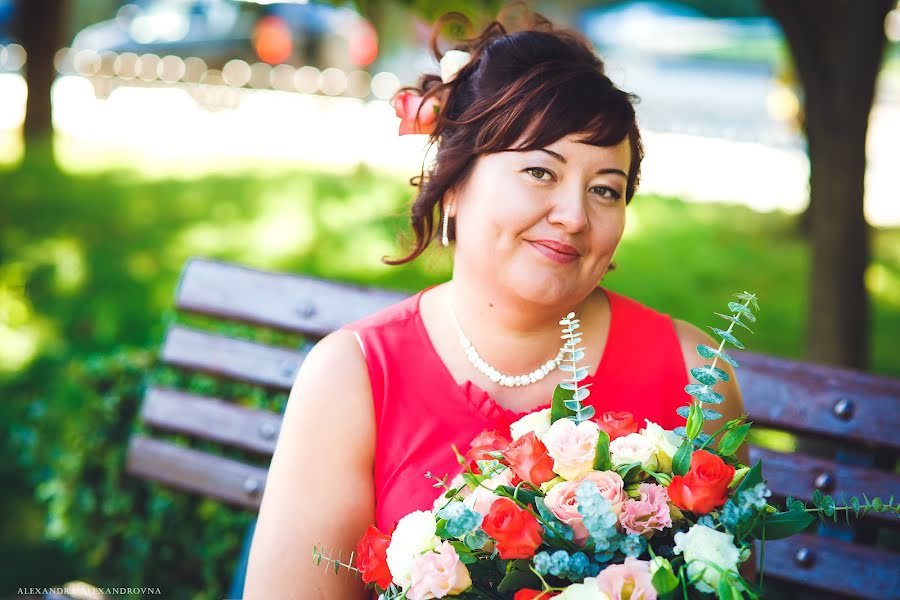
(569, 210)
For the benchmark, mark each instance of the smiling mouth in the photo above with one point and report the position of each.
(555, 252)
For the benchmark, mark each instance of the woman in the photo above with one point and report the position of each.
(538, 156)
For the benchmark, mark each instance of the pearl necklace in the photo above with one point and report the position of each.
(495, 375)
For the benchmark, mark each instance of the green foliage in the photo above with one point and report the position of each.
(127, 530)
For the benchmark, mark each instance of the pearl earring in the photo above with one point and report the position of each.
(445, 240)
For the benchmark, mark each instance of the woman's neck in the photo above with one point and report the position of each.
(511, 334)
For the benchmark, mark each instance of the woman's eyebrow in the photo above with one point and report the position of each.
(562, 159)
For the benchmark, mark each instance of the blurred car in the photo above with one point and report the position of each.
(221, 30)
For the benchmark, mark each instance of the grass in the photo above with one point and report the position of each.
(90, 263)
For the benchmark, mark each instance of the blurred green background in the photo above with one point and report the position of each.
(91, 246)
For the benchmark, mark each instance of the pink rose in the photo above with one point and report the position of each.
(649, 514)
(438, 574)
(572, 447)
(562, 502)
(407, 106)
(629, 581)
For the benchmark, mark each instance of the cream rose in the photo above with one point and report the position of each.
(572, 447)
(538, 422)
(666, 443)
(586, 590)
(633, 448)
(415, 533)
(702, 545)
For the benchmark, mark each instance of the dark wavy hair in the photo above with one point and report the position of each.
(539, 82)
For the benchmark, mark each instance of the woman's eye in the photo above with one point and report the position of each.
(607, 192)
(539, 170)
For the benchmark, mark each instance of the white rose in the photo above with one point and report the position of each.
(587, 590)
(415, 533)
(633, 448)
(701, 544)
(666, 443)
(538, 422)
(451, 63)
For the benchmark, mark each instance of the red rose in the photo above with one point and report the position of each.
(517, 531)
(526, 594)
(705, 486)
(617, 424)
(486, 441)
(371, 557)
(528, 458)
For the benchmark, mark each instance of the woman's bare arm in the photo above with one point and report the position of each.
(320, 488)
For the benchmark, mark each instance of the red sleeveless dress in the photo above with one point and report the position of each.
(420, 410)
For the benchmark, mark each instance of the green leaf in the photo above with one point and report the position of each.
(629, 472)
(664, 581)
(732, 440)
(558, 409)
(727, 337)
(602, 459)
(694, 422)
(681, 462)
(518, 576)
(783, 525)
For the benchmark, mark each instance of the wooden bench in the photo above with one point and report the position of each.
(846, 422)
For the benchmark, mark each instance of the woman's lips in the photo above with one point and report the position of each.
(559, 253)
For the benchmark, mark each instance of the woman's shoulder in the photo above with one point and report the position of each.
(391, 315)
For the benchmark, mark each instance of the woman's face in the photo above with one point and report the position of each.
(543, 224)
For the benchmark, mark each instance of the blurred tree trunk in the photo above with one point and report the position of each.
(837, 47)
(40, 28)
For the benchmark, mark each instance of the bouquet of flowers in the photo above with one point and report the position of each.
(575, 505)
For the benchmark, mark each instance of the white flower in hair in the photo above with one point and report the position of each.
(452, 62)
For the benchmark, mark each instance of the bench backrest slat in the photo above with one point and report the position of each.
(241, 360)
(211, 419)
(299, 304)
(228, 480)
(813, 399)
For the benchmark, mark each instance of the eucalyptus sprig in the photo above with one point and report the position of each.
(579, 392)
(708, 375)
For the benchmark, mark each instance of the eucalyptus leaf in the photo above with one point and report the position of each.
(567, 368)
(711, 415)
(711, 397)
(567, 386)
(735, 320)
(743, 310)
(728, 337)
(695, 389)
(707, 352)
(748, 298)
(577, 355)
(581, 394)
